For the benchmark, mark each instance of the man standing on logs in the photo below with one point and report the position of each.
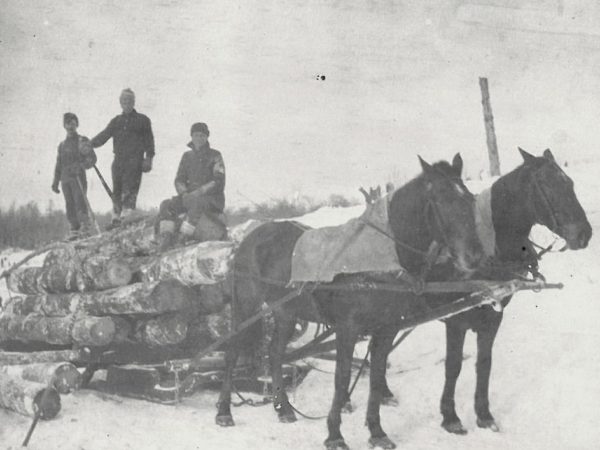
(75, 155)
(200, 184)
(132, 139)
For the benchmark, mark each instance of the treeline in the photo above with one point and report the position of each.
(28, 227)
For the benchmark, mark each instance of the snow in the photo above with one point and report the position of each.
(544, 385)
(401, 81)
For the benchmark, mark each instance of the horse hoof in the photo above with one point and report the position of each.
(489, 424)
(224, 421)
(455, 427)
(287, 418)
(336, 444)
(347, 408)
(381, 442)
(390, 401)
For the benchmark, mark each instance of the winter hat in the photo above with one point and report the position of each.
(67, 117)
(127, 91)
(200, 126)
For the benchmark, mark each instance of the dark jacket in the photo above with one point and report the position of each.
(132, 136)
(199, 167)
(71, 162)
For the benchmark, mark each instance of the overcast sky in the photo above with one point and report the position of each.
(401, 79)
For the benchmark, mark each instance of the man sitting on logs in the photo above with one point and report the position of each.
(198, 207)
(75, 155)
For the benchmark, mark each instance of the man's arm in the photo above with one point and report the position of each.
(57, 173)
(148, 138)
(148, 143)
(101, 138)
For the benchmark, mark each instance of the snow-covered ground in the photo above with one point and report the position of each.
(544, 386)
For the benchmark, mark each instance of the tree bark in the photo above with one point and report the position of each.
(51, 356)
(204, 263)
(94, 273)
(167, 329)
(139, 298)
(26, 397)
(86, 330)
(63, 376)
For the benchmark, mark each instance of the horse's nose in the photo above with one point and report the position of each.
(585, 235)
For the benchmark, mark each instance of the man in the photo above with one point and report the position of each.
(132, 139)
(75, 155)
(200, 184)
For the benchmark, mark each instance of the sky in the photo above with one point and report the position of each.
(303, 98)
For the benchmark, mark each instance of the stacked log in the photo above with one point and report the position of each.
(204, 263)
(93, 273)
(63, 376)
(27, 397)
(110, 294)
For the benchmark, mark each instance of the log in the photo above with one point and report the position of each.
(63, 376)
(14, 358)
(204, 263)
(209, 298)
(139, 298)
(167, 329)
(86, 330)
(93, 273)
(27, 397)
(36, 280)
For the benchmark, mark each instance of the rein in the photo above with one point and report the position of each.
(546, 202)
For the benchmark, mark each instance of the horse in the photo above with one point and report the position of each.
(536, 192)
(434, 206)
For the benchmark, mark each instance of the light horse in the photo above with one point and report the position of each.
(536, 192)
(435, 206)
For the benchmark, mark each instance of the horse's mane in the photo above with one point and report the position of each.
(406, 208)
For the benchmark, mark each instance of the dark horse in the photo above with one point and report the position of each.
(536, 192)
(435, 206)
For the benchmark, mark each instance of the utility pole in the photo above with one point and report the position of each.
(488, 119)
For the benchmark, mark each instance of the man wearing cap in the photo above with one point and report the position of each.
(133, 146)
(75, 155)
(200, 184)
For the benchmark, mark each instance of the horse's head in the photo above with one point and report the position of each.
(552, 200)
(443, 210)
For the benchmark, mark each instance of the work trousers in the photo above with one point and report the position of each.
(77, 212)
(127, 177)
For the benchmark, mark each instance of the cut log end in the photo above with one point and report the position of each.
(67, 379)
(47, 402)
(118, 273)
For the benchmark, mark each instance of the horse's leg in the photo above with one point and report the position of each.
(388, 399)
(485, 342)
(284, 328)
(455, 339)
(381, 345)
(224, 417)
(346, 336)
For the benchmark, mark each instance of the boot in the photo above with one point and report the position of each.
(166, 235)
(166, 241)
(186, 233)
(74, 235)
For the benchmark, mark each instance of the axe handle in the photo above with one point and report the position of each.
(108, 191)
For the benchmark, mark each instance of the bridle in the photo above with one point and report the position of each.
(430, 255)
(547, 205)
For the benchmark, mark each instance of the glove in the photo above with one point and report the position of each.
(147, 164)
(55, 188)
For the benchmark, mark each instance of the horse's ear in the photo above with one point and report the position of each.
(457, 163)
(425, 165)
(527, 157)
(548, 155)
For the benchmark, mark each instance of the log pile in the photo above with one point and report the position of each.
(111, 299)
